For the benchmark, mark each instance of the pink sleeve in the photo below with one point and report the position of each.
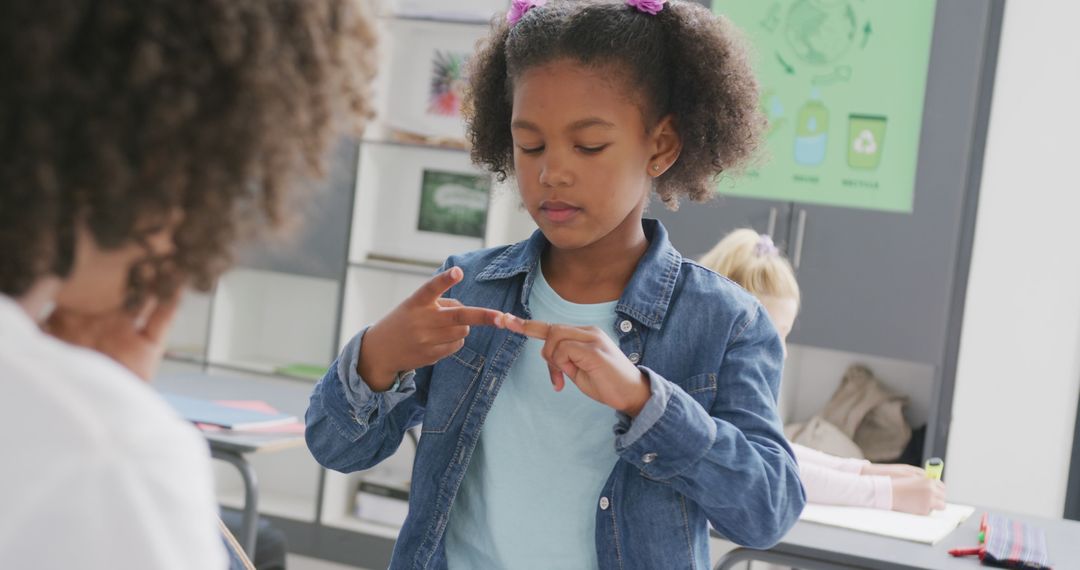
(805, 455)
(831, 487)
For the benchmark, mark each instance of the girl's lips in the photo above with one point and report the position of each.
(559, 213)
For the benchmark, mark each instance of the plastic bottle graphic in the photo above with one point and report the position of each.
(812, 132)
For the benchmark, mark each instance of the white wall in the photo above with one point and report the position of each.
(1019, 366)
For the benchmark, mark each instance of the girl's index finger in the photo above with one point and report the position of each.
(533, 329)
(471, 316)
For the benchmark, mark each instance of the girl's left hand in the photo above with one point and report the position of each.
(134, 339)
(592, 361)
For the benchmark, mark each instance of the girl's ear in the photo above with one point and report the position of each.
(666, 144)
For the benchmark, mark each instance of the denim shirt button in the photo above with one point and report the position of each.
(648, 458)
(604, 503)
(626, 326)
(634, 357)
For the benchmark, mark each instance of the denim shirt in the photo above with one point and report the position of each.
(708, 446)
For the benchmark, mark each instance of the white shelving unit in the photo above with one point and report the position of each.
(389, 255)
(263, 321)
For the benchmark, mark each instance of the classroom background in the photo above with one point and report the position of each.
(920, 178)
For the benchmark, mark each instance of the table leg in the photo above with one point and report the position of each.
(250, 520)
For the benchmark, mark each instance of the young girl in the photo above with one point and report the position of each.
(592, 107)
(751, 260)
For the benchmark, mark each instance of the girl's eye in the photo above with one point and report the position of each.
(531, 150)
(592, 149)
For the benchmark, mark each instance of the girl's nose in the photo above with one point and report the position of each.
(554, 172)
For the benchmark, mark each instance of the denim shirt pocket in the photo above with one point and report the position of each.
(702, 388)
(452, 380)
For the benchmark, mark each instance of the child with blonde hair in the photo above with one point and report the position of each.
(754, 262)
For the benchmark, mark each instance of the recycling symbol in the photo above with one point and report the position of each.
(865, 143)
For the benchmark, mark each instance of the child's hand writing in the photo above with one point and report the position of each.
(422, 330)
(591, 360)
(135, 339)
(918, 495)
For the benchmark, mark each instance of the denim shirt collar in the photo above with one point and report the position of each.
(647, 296)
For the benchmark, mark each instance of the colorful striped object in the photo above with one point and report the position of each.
(1013, 544)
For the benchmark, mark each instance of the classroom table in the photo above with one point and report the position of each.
(233, 448)
(813, 546)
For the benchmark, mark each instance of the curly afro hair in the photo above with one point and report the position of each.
(116, 113)
(684, 61)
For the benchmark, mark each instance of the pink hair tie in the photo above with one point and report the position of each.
(519, 7)
(651, 7)
(765, 247)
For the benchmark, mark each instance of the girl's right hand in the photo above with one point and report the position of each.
(422, 330)
(918, 495)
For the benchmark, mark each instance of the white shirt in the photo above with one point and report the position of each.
(98, 473)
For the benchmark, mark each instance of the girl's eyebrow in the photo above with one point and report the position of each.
(524, 125)
(590, 122)
(575, 126)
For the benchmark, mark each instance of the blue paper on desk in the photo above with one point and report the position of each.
(205, 412)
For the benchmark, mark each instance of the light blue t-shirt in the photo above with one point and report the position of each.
(529, 497)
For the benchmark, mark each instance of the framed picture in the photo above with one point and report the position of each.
(453, 203)
(461, 10)
(418, 205)
(426, 77)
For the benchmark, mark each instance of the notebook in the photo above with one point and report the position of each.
(206, 412)
(294, 428)
(923, 529)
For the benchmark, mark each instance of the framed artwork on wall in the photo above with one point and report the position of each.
(429, 204)
(427, 67)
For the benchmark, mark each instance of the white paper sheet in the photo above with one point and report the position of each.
(924, 529)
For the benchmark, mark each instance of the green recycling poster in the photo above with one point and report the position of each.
(843, 83)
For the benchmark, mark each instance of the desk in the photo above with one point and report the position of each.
(812, 546)
(232, 447)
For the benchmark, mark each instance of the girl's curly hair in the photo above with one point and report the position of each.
(116, 112)
(683, 61)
